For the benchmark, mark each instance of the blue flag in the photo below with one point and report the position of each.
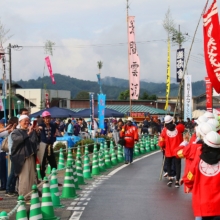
(101, 109)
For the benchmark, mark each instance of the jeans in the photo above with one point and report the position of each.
(3, 172)
(128, 154)
(173, 167)
(178, 167)
(11, 182)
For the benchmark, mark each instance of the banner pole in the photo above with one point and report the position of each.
(128, 60)
(181, 83)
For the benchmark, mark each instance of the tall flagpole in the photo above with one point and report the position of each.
(128, 58)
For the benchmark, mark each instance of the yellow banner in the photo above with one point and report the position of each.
(168, 77)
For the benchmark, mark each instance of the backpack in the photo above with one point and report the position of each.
(5, 145)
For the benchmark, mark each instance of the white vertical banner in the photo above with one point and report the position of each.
(187, 97)
(134, 61)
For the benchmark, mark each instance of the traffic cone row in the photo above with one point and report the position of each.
(61, 163)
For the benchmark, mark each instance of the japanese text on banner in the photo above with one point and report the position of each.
(179, 64)
(134, 61)
(47, 59)
(187, 97)
(168, 77)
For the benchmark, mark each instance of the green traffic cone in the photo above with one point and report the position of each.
(69, 157)
(120, 155)
(38, 171)
(136, 150)
(79, 171)
(69, 190)
(152, 144)
(95, 167)
(101, 147)
(86, 168)
(4, 215)
(75, 177)
(46, 204)
(48, 169)
(147, 146)
(78, 153)
(86, 150)
(61, 163)
(107, 159)
(21, 211)
(54, 190)
(142, 148)
(101, 162)
(35, 209)
(95, 149)
(111, 147)
(114, 158)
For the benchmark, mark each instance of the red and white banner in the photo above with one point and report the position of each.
(209, 106)
(47, 59)
(134, 61)
(212, 45)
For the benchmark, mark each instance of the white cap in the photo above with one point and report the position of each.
(212, 139)
(168, 119)
(130, 119)
(201, 119)
(205, 128)
(215, 123)
(209, 115)
(22, 117)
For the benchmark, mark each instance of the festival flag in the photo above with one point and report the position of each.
(134, 61)
(180, 64)
(168, 77)
(101, 109)
(212, 45)
(92, 111)
(209, 90)
(47, 59)
(187, 97)
(47, 103)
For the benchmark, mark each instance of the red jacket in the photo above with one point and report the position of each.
(170, 140)
(205, 180)
(130, 134)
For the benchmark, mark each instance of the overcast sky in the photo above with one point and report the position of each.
(92, 30)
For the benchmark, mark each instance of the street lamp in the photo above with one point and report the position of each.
(19, 103)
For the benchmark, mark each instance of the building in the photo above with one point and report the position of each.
(59, 98)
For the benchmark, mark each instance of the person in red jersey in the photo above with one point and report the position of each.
(130, 134)
(170, 138)
(203, 179)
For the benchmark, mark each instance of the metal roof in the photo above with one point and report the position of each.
(137, 108)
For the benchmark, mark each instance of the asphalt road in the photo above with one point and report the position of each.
(135, 193)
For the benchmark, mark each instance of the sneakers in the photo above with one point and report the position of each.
(170, 182)
(9, 194)
(126, 162)
(165, 175)
(177, 185)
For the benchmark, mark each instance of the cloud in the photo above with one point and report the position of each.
(88, 31)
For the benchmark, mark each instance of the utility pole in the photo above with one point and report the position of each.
(10, 83)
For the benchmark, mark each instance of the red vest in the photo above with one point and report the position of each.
(130, 134)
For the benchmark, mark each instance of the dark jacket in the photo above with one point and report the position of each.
(23, 146)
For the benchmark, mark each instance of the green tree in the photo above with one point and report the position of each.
(144, 96)
(124, 95)
(152, 97)
(82, 95)
(100, 65)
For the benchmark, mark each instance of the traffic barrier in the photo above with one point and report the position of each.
(3, 215)
(114, 158)
(46, 204)
(147, 145)
(68, 190)
(48, 172)
(75, 177)
(79, 171)
(86, 150)
(142, 150)
(61, 163)
(95, 167)
(120, 154)
(101, 162)
(86, 168)
(54, 190)
(152, 144)
(35, 209)
(38, 171)
(21, 212)
(95, 149)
